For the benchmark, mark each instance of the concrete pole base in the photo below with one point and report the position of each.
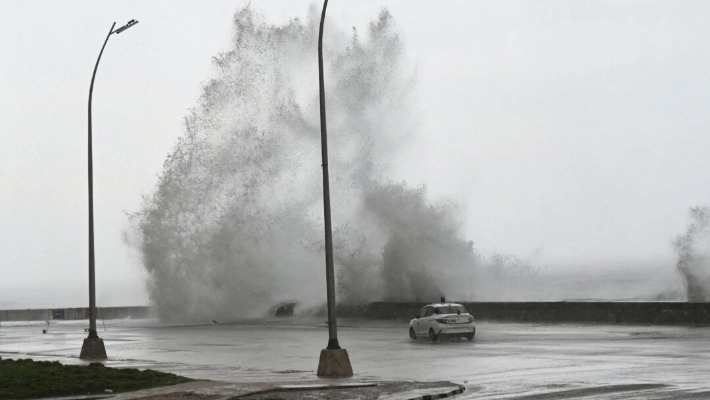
(334, 363)
(93, 349)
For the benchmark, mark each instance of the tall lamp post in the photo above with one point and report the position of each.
(93, 347)
(334, 361)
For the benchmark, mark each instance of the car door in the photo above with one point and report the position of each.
(418, 320)
(425, 321)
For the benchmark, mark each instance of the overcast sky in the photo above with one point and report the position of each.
(574, 133)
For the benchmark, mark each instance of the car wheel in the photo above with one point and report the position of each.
(469, 337)
(432, 335)
(412, 334)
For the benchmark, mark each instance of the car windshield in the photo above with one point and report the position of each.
(451, 310)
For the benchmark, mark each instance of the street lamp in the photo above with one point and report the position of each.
(93, 347)
(334, 361)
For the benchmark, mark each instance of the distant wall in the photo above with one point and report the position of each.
(664, 313)
(667, 313)
(45, 314)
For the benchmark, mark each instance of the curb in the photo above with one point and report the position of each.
(454, 392)
(219, 390)
(297, 388)
(417, 396)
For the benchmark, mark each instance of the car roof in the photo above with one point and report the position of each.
(443, 304)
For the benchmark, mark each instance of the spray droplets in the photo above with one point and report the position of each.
(694, 255)
(235, 223)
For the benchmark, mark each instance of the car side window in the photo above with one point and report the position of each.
(421, 312)
(428, 312)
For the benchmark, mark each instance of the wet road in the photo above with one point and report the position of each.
(504, 361)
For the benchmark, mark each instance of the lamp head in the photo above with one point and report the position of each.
(124, 27)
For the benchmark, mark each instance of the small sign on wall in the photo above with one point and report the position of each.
(58, 314)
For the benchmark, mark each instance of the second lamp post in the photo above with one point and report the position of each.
(334, 361)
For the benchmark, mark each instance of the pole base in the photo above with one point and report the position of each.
(334, 363)
(93, 349)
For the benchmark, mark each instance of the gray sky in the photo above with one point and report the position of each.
(575, 133)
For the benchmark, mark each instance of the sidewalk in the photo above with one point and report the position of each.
(210, 390)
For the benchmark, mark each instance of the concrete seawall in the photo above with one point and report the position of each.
(46, 314)
(663, 313)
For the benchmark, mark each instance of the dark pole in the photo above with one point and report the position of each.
(92, 279)
(93, 347)
(329, 269)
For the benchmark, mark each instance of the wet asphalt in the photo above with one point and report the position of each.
(524, 361)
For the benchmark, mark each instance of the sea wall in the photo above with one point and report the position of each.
(665, 313)
(46, 314)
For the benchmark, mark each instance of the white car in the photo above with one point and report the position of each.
(435, 320)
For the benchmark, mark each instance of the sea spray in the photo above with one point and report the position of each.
(223, 236)
(693, 249)
(235, 223)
